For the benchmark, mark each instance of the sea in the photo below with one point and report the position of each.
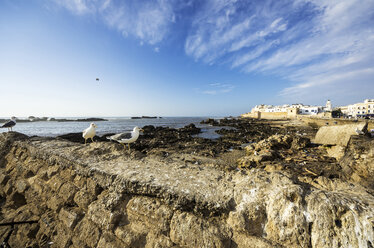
(112, 125)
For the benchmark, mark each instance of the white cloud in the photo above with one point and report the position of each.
(310, 43)
(216, 88)
(148, 21)
(79, 7)
(315, 44)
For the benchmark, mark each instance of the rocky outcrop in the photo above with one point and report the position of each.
(96, 195)
(338, 137)
(292, 153)
(358, 161)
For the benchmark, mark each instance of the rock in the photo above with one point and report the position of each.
(358, 161)
(108, 240)
(69, 217)
(191, 129)
(158, 240)
(55, 203)
(21, 186)
(257, 158)
(3, 178)
(210, 121)
(83, 198)
(300, 142)
(149, 213)
(77, 137)
(338, 135)
(130, 237)
(87, 233)
(274, 142)
(189, 231)
(289, 197)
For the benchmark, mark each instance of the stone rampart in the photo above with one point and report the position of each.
(97, 196)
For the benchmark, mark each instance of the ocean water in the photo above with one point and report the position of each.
(113, 125)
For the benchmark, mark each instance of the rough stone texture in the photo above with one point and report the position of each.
(358, 161)
(95, 196)
(338, 135)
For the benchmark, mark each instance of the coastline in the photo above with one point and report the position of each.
(174, 189)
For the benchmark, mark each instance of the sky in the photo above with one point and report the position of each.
(182, 57)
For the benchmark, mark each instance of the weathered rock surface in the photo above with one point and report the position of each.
(338, 135)
(96, 195)
(358, 162)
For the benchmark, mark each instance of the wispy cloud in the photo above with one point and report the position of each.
(312, 43)
(148, 21)
(215, 89)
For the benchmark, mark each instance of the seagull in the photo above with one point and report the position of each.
(10, 123)
(89, 133)
(127, 137)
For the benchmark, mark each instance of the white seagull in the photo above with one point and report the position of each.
(127, 137)
(10, 124)
(89, 133)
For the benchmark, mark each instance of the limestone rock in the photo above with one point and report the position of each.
(338, 135)
(188, 230)
(69, 217)
(300, 142)
(154, 203)
(150, 213)
(358, 161)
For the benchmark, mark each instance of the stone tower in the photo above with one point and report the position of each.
(328, 106)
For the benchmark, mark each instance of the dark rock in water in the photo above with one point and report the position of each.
(144, 117)
(92, 119)
(149, 117)
(191, 129)
(210, 121)
(79, 120)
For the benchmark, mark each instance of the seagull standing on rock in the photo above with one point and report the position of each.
(89, 133)
(10, 124)
(127, 137)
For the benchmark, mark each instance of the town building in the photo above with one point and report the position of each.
(328, 106)
(359, 110)
(299, 109)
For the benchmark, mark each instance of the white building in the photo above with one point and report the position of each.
(310, 110)
(328, 106)
(360, 109)
(302, 109)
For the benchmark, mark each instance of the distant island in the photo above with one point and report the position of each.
(85, 119)
(145, 117)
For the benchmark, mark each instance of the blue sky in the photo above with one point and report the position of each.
(180, 57)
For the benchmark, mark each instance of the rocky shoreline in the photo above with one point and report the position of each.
(261, 184)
